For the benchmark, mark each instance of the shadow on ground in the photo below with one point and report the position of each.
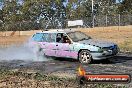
(117, 59)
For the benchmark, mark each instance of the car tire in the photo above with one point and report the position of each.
(85, 57)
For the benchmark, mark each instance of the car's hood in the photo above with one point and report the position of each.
(98, 43)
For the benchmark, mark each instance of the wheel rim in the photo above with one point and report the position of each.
(85, 57)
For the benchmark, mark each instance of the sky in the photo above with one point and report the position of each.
(117, 1)
(1, 5)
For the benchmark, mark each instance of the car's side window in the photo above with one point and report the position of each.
(38, 37)
(59, 37)
(45, 37)
(51, 37)
(62, 38)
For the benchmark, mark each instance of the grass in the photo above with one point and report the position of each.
(126, 46)
(4, 73)
(33, 80)
(13, 40)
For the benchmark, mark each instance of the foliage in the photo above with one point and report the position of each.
(126, 7)
(36, 14)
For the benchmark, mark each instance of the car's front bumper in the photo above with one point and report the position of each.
(100, 56)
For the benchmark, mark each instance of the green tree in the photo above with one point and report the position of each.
(1, 20)
(107, 7)
(125, 7)
(9, 14)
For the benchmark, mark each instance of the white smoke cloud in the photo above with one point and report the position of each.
(21, 52)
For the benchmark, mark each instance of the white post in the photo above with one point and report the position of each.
(106, 20)
(92, 14)
(119, 22)
(119, 19)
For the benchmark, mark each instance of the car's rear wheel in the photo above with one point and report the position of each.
(85, 57)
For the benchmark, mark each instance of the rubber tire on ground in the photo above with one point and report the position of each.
(87, 59)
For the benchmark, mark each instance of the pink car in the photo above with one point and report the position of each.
(73, 44)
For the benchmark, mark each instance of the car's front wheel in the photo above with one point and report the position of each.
(85, 57)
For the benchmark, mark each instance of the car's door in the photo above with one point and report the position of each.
(50, 45)
(64, 49)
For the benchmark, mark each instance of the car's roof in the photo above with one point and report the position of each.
(57, 31)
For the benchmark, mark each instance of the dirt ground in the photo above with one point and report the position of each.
(37, 80)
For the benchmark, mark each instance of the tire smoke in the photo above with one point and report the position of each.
(21, 52)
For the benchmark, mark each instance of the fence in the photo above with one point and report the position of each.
(56, 23)
(108, 20)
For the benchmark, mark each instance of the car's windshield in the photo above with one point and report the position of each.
(78, 36)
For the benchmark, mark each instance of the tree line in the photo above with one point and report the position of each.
(42, 14)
